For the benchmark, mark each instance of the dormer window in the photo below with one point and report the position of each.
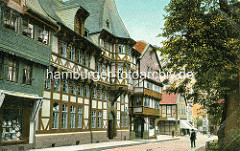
(43, 35)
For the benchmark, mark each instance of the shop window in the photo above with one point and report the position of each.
(87, 91)
(64, 116)
(99, 120)
(43, 35)
(126, 121)
(74, 89)
(100, 94)
(55, 121)
(87, 60)
(28, 28)
(72, 117)
(93, 124)
(169, 110)
(122, 121)
(1, 66)
(10, 20)
(12, 70)
(121, 49)
(27, 74)
(57, 84)
(72, 53)
(66, 86)
(80, 56)
(64, 50)
(80, 93)
(79, 117)
(12, 125)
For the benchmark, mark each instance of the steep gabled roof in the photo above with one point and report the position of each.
(140, 46)
(169, 98)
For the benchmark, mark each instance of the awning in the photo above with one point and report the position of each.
(37, 104)
(184, 124)
(22, 95)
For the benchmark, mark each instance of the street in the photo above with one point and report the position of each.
(183, 144)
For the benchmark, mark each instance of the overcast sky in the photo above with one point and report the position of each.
(143, 18)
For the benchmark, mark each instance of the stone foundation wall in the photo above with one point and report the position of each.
(19, 147)
(51, 140)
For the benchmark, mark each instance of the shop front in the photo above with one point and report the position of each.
(17, 119)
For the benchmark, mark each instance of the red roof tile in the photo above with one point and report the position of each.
(140, 46)
(169, 99)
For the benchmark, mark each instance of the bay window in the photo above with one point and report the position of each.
(72, 53)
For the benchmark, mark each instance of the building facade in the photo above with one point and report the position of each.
(25, 49)
(147, 93)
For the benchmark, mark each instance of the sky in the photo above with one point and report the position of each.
(143, 18)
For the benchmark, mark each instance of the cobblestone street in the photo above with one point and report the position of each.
(183, 144)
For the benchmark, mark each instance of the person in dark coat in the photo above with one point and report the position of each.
(173, 133)
(193, 138)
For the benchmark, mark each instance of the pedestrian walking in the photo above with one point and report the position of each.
(173, 132)
(193, 138)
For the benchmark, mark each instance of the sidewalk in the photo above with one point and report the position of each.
(109, 145)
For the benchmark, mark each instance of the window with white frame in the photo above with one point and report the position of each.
(100, 94)
(74, 88)
(99, 120)
(80, 91)
(79, 117)
(28, 28)
(80, 56)
(72, 53)
(122, 121)
(101, 42)
(99, 67)
(121, 48)
(43, 35)
(55, 119)
(87, 60)
(64, 116)
(146, 102)
(126, 121)
(66, 86)
(13, 70)
(123, 99)
(95, 93)
(93, 124)
(27, 74)
(87, 91)
(120, 72)
(10, 20)
(64, 49)
(106, 95)
(169, 110)
(57, 84)
(72, 117)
